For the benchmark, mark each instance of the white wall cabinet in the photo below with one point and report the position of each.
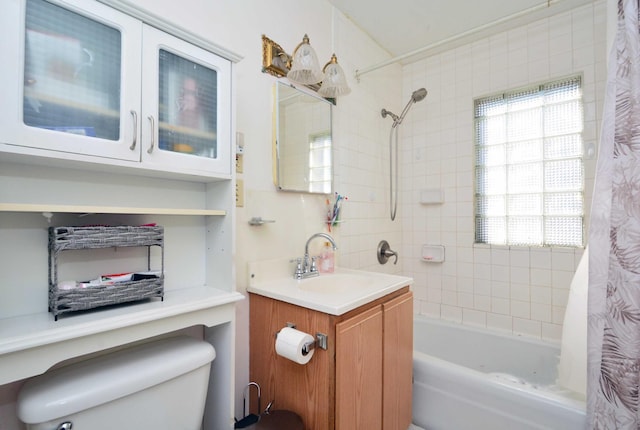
(105, 111)
(95, 84)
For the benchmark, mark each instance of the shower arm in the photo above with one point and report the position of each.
(398, 121)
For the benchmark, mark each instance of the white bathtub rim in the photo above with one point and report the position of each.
(473, 376)
(577, 399)
(449, 388)
(547, 375)
(487, 416)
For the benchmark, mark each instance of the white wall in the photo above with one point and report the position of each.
(513, 289)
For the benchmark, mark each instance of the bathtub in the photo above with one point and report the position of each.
(470, 379)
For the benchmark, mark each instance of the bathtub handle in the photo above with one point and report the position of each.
(388, 253)
(384, 252)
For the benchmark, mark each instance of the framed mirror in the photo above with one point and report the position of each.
(302, 141)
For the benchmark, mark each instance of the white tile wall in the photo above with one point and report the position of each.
(513, 289)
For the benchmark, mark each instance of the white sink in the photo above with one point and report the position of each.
(336, 283)
(333, 293)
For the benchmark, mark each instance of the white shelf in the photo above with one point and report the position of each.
(30, 344)
(25, 207)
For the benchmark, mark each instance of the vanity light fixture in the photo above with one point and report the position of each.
(305, 68)
(334, 83)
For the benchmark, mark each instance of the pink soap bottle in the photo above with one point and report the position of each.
(327, 259)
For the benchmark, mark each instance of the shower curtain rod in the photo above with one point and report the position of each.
(390, 61)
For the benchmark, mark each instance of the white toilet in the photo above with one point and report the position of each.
(158, 385)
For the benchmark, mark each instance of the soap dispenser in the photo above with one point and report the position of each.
(327, 259)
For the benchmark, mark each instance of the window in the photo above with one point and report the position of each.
(529, 169)
(320, 163)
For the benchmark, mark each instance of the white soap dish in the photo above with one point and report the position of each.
(433, 253)
(432, 196)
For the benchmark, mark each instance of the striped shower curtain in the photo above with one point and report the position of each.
(614, 241)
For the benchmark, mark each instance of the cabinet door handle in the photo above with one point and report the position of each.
(153, 129)
(134, 114)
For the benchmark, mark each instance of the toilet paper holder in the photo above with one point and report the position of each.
(320, 342)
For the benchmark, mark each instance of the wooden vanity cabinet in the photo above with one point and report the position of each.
(362, 381)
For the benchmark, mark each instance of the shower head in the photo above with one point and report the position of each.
(416, 96)
(419, 95)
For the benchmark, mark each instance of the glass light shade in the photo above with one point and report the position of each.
(334, 83)
(305, 68)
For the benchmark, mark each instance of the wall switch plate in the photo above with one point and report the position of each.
(239, 163)
(239, 141)
(239, 193)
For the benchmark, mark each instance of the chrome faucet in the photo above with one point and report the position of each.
(306, 266)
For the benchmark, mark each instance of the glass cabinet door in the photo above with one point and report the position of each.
(187, 109)
(71, 72)
(72, 81)
(186, 103)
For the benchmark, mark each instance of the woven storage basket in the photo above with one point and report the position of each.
(77, 299)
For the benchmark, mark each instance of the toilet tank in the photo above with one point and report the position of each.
(158, 385)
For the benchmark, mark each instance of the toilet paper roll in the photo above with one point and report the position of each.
(290, 343)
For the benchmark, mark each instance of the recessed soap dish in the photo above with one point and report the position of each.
(433, 253)
(432, 196)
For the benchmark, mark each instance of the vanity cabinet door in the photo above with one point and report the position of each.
(73, 78)
(397, 375)
(186, 105)
(358, 371)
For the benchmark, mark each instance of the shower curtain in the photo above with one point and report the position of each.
(614, 241)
